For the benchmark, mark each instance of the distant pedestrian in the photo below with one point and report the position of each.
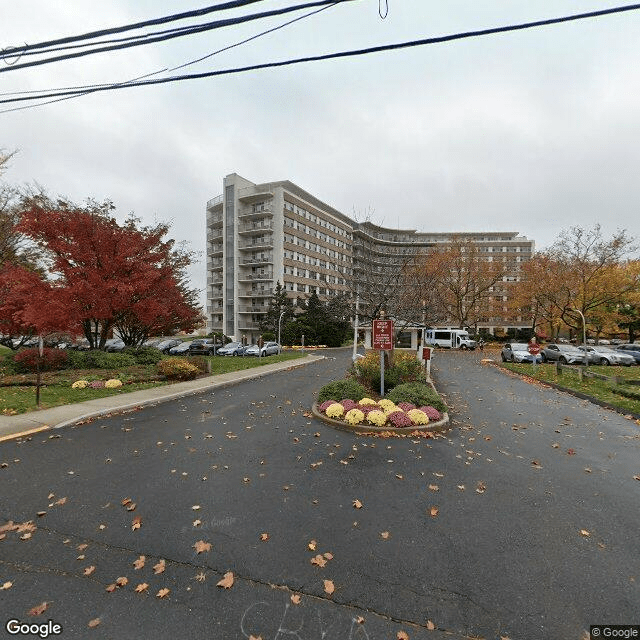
(481, 344)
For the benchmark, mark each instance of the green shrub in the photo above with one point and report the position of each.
(201, 362)
(177, 369)
(406, 368)
(268, 336)
(26, 360)
(95, 359)
(341, 390)
(627, 393)
(144, 355)
(417, 393)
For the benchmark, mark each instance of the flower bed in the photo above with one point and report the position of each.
(382, 414)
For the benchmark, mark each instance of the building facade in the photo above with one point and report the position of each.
(260, 234)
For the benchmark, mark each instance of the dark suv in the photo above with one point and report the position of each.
(204, 347)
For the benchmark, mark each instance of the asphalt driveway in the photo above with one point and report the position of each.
(521, 523)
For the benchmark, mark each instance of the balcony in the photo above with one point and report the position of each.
(215, 265)
(214, 202)
(264, 292)
(249, 213)
(252, 277)
(265, 243)
(215, 250)
(214, 279)
(256, 260)
(253, 310)
(255, 227)
(257, 192)
(214, 220)
(214, 234)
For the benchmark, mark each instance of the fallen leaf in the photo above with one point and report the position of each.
(139, 563)
(430, 625)
(122, 581)
(385, 534)
(89, 570)
(295, 598)
(252, 637)
(143, 586)
(93, 623)
(159, 567)
(162, 593)
(131, 506)
(357, 504)
(125, 502)
(481, 487)
(433, 512)
(264, 536)
(61, 501)
(402, 635)
(636, 477)
(201, 577)
(360, 620)
(38, 609)
(399, 476)
(197, 523)
(137, 521)
(571, 452)
(312, 545)
(584, 533)
(329, 587)
(195, 507)
(319, 560)
(41, 513)
(328, 556)
(6, 585)
(461, 487)
(82, 547)
(227, 581)
(536, 465)
(201, 546)
(434, 487)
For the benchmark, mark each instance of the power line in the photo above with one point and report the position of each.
(87, 88)
(343, 54)
(233, 4)
(177, 33)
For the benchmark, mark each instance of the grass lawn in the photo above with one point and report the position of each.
(599, 389)
(56, 389)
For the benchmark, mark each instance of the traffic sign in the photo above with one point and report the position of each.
(533, 348)
(383, 335)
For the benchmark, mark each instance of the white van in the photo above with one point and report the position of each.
(449, 338)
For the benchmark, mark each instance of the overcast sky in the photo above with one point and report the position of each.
(532, 131)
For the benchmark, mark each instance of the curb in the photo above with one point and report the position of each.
(371, 430)
(239, 376)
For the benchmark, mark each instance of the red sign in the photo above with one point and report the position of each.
(383, 334)
(533, 348)
(426, 353)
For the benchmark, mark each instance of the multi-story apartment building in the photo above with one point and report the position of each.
(260, 234)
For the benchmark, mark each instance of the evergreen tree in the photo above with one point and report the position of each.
(279, 303)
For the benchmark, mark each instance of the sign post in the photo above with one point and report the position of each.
(382, 341)
(534, 349)
(426, 356)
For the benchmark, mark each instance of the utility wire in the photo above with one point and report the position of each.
(151, 38)
(86, 88)
(233, 4)
(345, 54)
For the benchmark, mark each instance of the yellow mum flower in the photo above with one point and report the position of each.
(113, 383)
(335, 410)
(354, 416)
(79, 384)
(377, 418)
(388, 405)
(366, 401)
(418, 417)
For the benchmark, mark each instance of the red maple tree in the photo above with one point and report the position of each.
(108, 274)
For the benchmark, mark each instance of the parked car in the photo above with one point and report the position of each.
(232, 349)
(152, 342)
(631, 350)
(563, 353)
(268, 349)
(181, 349)
(518, 352)
(114, 345)
(616, 341)
(203, 347)
(607, 356)
(165, 345)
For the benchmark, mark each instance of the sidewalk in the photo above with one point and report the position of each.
(35, 421)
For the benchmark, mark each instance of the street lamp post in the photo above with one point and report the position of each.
(584, 337)
(279, 321)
